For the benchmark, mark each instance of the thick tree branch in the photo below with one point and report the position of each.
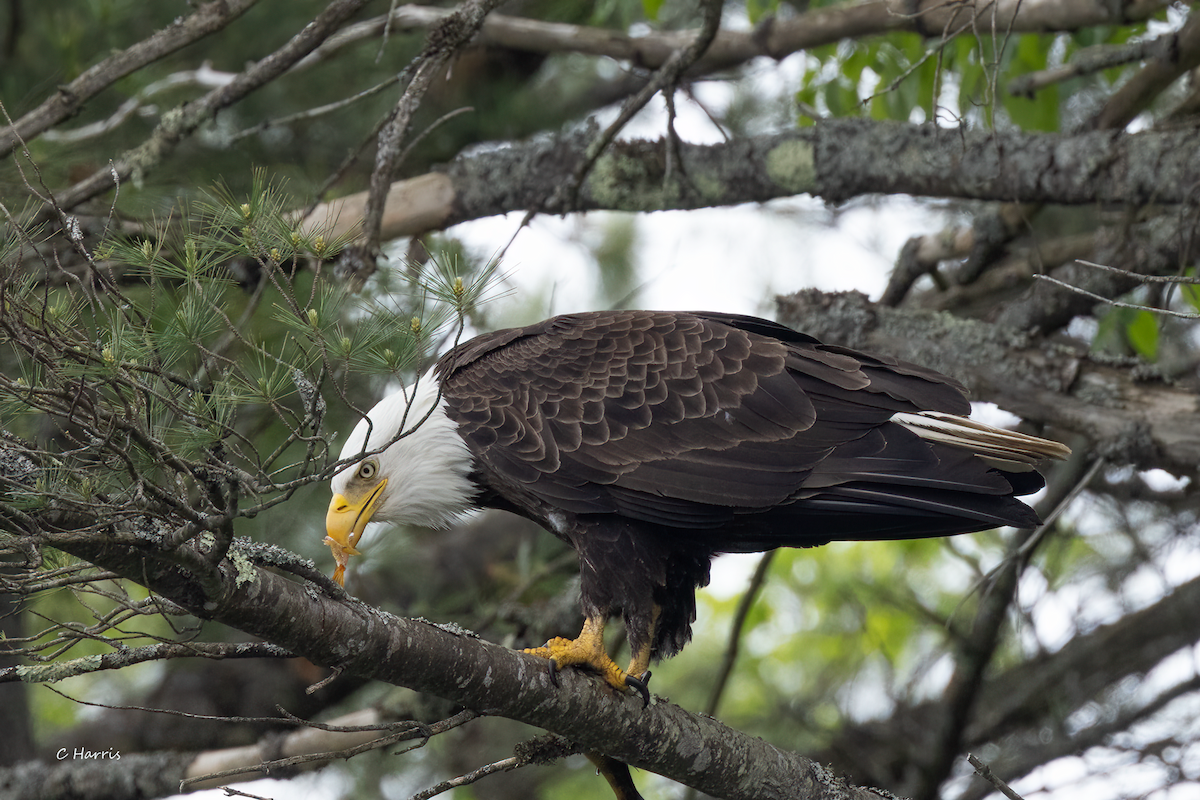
(1130, 419)
(836, 160)
(449, 663)
(776, 38)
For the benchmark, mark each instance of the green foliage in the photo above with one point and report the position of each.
(906, 77)
(179, 367)
(1125, 331)
(887, 78)
(1041, 112)
(757, 9)
(651, 8)
(1142, 332)
(1190, 292)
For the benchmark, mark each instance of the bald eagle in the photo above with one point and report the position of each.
(653, 441)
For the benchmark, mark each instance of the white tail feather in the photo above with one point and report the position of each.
(1009, 450)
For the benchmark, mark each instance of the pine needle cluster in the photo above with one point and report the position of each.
(183, 375)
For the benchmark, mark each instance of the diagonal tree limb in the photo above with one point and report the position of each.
(1179, 57)
(974, 653)
(1022, 705)
(449, 663)
(775, 38)
(69, 99)
(183, 121)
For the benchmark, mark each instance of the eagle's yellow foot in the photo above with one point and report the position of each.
(588, 651)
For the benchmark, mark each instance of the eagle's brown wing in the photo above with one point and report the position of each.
(702, 420)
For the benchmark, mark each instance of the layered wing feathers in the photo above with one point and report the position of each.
(705, 420)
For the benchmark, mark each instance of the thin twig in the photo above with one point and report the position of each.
(667, 76)
(424, 733)
(1140, 277)
(442, 43)
(1090, 60)
(664, 78)
(180, 123)
(203, 76)
(503, 765)
(230, 792)
(1026, 550)
(1117, 303)
(313, 113)
(985, 772)
(175, 713)
(68, 99)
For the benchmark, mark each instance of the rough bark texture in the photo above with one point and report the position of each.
(836, 160)
(1132, 416)
(453, 664)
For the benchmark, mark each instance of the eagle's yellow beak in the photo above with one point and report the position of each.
(345, 521)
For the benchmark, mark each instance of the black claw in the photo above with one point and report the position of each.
(552, 669)
(640, 685)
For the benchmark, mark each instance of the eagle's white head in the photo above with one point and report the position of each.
(420, 478)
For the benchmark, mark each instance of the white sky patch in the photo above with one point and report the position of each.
(1162, 481)
(731, 574)
(732, 259)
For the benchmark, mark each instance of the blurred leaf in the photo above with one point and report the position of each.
(1142, 333)
(756, 9)
(1041, 112)
(651, 8)
(1190, 292)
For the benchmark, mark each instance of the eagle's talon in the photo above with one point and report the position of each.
(640, 686)
(552, 671)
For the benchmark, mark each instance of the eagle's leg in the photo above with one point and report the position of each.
(639, 665)
(588, 650)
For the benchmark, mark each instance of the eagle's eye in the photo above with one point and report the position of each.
(367, 470)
